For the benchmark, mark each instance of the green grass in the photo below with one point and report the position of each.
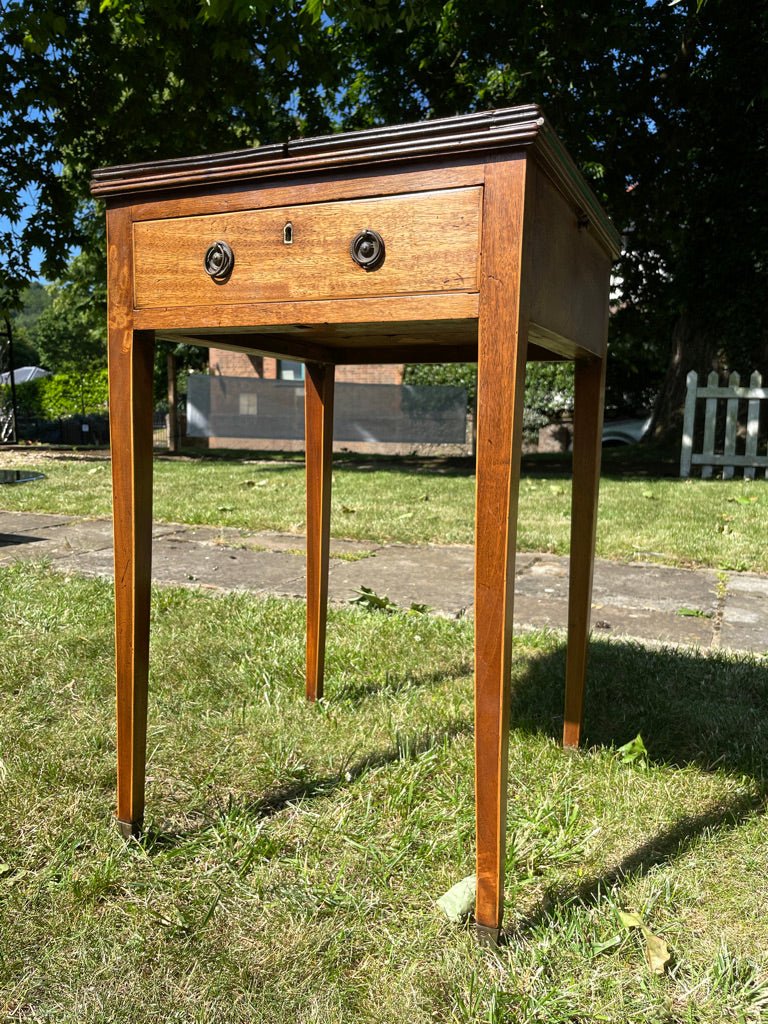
(294, 852)
(695, 522)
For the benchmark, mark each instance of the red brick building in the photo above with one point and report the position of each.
(239, 364)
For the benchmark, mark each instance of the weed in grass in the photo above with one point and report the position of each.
(352, 556)
(633, 752)
(373, 602)
(294, 852)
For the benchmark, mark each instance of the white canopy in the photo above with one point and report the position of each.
(24, 373)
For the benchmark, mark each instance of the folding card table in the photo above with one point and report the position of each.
(467, 239)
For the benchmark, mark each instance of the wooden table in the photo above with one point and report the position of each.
(467, 239)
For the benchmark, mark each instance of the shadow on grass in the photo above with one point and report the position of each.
(406, 748)
(690, 709)
(393, 683)
(707, 710)
(644, 461)
(666, 846)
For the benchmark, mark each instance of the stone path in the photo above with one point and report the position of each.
(647, 602)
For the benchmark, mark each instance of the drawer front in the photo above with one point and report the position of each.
(431, 244)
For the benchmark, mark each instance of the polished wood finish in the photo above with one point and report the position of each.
(130, 406)
(380, 309)
(318, 420)
(496, 250)
(569, 274)
(443, 140)
(328, 187)
(430, 238)
(500, 384)
(587, 448)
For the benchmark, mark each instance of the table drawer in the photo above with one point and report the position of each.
(431, 244)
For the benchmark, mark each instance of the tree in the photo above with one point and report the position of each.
(34, 299)
(70, 333)
(663, 105)
(88, 83)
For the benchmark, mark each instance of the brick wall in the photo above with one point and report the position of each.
(240, 364)
(378, 374)
(224, 363)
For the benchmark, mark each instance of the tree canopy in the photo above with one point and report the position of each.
(663, 105)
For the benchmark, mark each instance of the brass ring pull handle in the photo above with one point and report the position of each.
(219, 261)
(367, 249)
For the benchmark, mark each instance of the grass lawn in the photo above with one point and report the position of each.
(294, 852)
(695, 522)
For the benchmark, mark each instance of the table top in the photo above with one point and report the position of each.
(440, 141)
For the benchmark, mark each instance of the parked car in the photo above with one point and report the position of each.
(624, 431)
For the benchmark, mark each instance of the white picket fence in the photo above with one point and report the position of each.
(726, 455)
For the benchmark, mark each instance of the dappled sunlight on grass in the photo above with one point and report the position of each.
(294, 852)
(713, 523)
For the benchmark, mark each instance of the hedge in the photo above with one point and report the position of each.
(548, 386)
(64, 394)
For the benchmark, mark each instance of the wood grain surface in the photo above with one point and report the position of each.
(130, 407)
(569, 274)
(431, 240)
(384, 309)
(589, 394)
(502, 331)
(318, 426)
(505, 132)
(324, 188)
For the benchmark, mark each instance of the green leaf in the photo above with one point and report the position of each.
(633, 751)
(31, 44)
(373, 602)
(314, 9)
(459, 902)
(657, 954)
(694, 613)
(603, 947)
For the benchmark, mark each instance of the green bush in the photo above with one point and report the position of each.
(64, 394)
(463, 375)
(548, 386)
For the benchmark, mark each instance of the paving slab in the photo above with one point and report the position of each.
(262, 540)
(745, 613)
(633, 585)
(23, 522)
(440, 577)
(263, 572)
(640, 600)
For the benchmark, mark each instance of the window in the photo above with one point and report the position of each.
(248, 405)
(287, 369)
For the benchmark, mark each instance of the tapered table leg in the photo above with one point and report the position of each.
(587, 447)
(501, 379)
(318, 419)
(130, 407)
